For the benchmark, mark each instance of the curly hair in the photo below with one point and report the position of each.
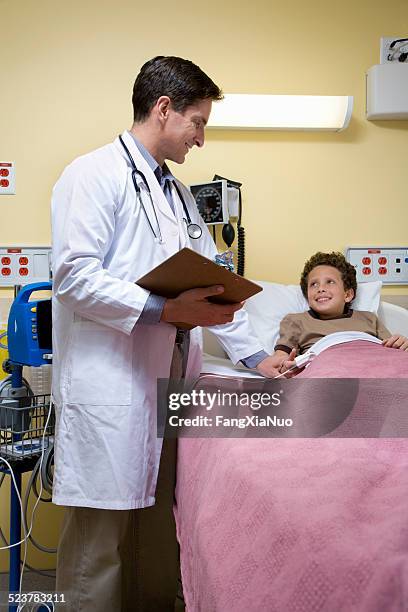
(335, 260)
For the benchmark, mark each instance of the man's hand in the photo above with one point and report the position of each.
(268, 367)
(396, 341)
(276, 364)
(192, 308)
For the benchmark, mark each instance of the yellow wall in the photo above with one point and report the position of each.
(67, 72)
(46, 525)
(67, 69)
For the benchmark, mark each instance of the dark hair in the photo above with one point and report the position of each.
(179, 79)
(335, 260)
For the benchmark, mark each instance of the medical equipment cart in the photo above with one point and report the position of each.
(26, 420)
(24, 433)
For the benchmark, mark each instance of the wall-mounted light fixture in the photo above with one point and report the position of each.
(276, 112)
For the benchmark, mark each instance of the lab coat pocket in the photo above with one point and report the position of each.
(100, 366)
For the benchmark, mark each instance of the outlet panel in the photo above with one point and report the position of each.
(24, 265)
(7, 178)
(387, 264)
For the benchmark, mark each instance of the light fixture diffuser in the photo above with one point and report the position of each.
(280, 112)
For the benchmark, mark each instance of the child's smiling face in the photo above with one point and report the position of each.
(326, 293)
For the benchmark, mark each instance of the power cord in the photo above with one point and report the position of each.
(27, 534)
(301, 361)
(24, 540)
(38, 471)
(47, 483)
(398, 40)
(241, 239)
(401, 49)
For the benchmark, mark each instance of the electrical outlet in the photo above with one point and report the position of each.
(7, 178)
(385, 50)
(387, 264)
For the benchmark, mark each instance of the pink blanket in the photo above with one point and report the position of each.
(358, 359)
(298, 525)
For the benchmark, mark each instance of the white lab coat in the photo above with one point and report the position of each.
(105, 366)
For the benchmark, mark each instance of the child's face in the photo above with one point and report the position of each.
(326, 293)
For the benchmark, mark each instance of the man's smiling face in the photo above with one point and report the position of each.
(185, 129)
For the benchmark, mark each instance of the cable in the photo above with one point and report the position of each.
(6, 382)
(3, 346)
(401, 50)
(46, 477)
(24, 540)
(37, 501)
(301, 361)
(398, 40)
(32, 569)
(241, 239)
(241, 251)
(37, 604)
(32, 485)
(27, 534)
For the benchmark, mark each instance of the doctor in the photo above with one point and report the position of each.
(117, 213)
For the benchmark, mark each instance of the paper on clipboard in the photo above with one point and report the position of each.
(187, 269)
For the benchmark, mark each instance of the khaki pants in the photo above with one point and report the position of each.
(122, 560)
(125, 560)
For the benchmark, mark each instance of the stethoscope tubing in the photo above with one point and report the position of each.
(135, 171)
(193, 229)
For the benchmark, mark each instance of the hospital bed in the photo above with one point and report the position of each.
(267, 309)
(306, 524)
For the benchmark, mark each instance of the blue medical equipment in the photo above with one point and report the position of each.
(29, 328)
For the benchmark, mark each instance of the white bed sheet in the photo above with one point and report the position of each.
(394, 317)
(225, 367)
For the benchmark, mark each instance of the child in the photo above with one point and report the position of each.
(328, 282)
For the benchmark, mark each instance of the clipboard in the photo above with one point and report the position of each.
(187, 269)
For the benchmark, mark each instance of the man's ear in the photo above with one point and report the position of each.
(349, 295)
(163, 105)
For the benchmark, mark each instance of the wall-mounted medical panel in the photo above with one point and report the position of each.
(387, 264)
(7, 178)
(23, 265)
(387, 91)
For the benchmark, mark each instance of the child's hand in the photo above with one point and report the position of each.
(288, 364)
(396, 341)
(271, 366)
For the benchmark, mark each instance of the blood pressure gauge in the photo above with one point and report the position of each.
(212, 202)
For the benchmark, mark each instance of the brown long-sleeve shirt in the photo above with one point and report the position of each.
(302, 330)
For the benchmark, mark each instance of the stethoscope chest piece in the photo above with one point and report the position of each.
(194, 230)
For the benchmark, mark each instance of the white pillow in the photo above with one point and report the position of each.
(267, 309)
(368, 296)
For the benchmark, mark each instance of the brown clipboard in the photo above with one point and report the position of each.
(187, 269)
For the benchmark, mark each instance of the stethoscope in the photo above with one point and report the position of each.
(193, 229)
